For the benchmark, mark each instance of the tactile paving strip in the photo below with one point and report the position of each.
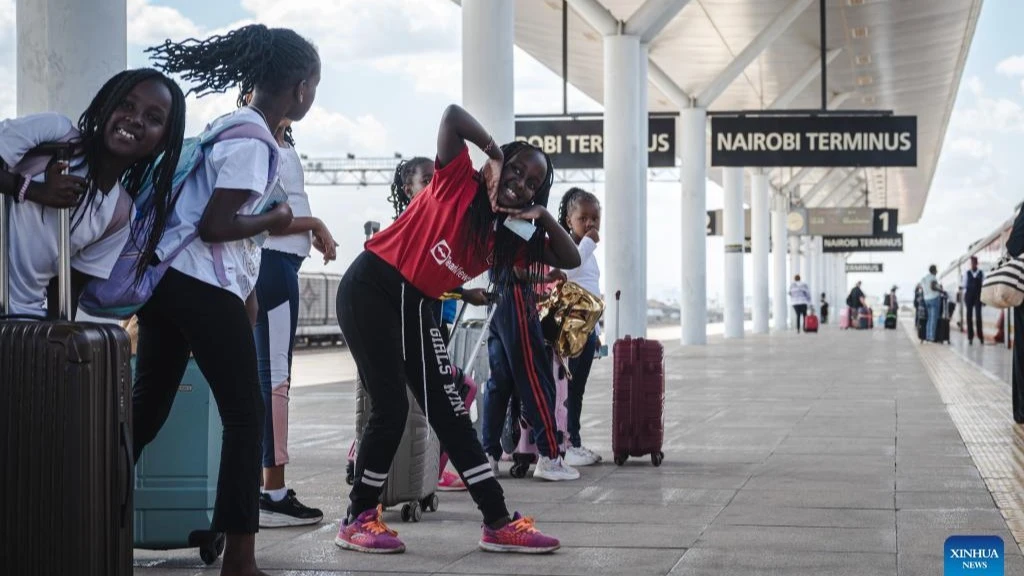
(980, 408)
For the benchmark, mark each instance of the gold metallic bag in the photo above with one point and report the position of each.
(568, 317)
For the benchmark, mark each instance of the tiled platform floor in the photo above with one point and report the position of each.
(818, 454)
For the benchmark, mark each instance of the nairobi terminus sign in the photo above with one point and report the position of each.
(826, 141)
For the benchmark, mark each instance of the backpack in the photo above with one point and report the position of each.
(120, 296)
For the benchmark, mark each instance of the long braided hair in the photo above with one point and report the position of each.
(243, 100)
(573, 197)
(251, 57)
(403, 172)
(159, 167)
(482, 222)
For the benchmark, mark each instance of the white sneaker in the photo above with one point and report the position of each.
(554, 470)
(494, 465)
(578, 457)
(597, 457)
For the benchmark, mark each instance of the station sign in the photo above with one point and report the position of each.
(863, 243)
(813, 141)
(863, 267)
(579, 143)
(841, 222)
(713, 227)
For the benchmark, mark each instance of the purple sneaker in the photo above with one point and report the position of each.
(519, 535)
(368, 533)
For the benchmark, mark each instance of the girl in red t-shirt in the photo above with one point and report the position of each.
(452, 231)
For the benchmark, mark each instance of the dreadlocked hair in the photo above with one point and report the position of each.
(243, 100)
(403, 172)
(251, 57)
(482, 222)
(157, 169)
(573, 197)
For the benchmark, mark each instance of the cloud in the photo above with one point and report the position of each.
(149, 24)
(326, 133)
(1012, 66)
(434, 72)
(975, 86)
(971, 147)
(990, 114)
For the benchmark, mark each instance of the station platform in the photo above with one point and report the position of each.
(840, 453)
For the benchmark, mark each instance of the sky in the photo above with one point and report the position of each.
(390, 67)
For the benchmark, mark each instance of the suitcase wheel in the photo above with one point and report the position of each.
(620, 459)
(656, 458)
(211, 545)
(412, 512)
(519, 470)
(430, 503)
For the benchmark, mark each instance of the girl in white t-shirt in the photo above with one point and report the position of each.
(199, 304)
(134, 118)
(277, 293)
(580, 214)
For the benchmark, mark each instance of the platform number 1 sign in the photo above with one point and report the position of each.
(886, 222)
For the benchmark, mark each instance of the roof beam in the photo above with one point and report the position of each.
(839, 189)
(651, 18)
(764, 39)
(667, 86)
(818, 185)
(599, 18)
(838, 100)
(796, 88)
(793, 182)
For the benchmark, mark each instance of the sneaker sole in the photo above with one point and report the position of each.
(340, 543)
(555, 478)
(451, 488)
(503, 548)
(276, 520)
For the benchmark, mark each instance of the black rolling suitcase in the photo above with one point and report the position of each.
(942, 328)
(65, 440)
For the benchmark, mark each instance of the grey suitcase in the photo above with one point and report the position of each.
(412, 478)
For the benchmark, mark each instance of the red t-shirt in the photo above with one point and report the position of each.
(426, 243)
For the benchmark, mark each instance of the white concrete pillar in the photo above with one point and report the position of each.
(621, 215)
(488, 34)
(814, 269)
(779, 242)
(733, 232)
(641, 191)
(67, 50)
(694, 317)
(760, 197)
(794, 270)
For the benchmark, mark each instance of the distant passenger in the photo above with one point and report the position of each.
(972, 301)
(855, 301)
(800, 298)
(824, 309)
(930, 293)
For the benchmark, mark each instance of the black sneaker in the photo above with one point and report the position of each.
(288, 512)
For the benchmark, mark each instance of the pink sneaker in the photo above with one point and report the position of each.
(368, 533)
(450, 482)
(519, 535)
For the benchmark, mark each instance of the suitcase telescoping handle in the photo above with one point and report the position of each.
(618, 297)
(63, 250)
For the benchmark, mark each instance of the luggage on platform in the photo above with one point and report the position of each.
(844, 318)
(811, 323)
(638, 398)
(864, 319)
(176, 479)
(890, 321)
(65, 408)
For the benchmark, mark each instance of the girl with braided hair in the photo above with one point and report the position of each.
(411, 177)
(580, 214)
(198, 307)
(132, 131)
(454, 231)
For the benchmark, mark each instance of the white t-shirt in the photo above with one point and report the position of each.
(799, 294)
(588, 273)
(926, 285)
(293, 182)
(238, 164)
(35, 228)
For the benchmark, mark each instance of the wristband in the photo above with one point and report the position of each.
(491, 147)
(23, 191)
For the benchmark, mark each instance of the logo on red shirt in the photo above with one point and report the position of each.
(442, 253)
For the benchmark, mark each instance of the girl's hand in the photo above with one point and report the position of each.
(282, 214)
(492, 177)
(324, 242)
(535, 212)
(477, 297)
(556, 275)
(594, 235)
(58, 190)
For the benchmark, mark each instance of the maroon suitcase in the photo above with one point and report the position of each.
(638, 398)
(65, 442)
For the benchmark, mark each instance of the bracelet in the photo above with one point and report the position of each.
(490, 145)
(24, 190)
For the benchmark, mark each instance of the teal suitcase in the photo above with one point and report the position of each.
(176, 483)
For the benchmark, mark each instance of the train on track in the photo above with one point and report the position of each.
(318, 321)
